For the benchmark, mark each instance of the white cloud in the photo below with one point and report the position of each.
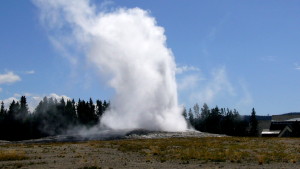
(32, 99)
(8, 101)
(58, 97)
(183, 69)
(1, 90)
(30, 72)
(9, 77)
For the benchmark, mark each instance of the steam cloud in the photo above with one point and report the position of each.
(128, 47)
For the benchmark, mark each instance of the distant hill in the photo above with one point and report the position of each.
(291, 113)
(247, 117)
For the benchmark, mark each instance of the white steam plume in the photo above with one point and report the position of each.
(128, 47)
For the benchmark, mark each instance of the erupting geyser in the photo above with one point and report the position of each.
(127, 46)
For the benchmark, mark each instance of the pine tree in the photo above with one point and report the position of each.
(61, 106)
(202, 121)
(253, 124)
(70, 113)
(3, 126)
(191, 117)
(205, 111)
(23, 112)
(100, 108)
(105, 105)
(2, 110)
(74, 109)
(14, 108)
(81, 111)
(197, 111)
(62, 103)
(184, 114)
(227, 121)
(213, 122)
(92, 112)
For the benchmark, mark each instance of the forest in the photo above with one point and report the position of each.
(50, 117)
(54, 117)
(221, 121)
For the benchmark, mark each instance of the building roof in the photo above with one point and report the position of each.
(293, 119)
(285, 132)
(269, 132)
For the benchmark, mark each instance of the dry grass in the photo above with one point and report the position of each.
(230, 149)
(7, 155)
(191, 151)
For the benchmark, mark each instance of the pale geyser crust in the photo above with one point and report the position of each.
(128, 47)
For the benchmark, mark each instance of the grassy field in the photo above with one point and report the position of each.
(152, 152)
(222, 149)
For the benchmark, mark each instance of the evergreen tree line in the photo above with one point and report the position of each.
(50, 117)
(221, 121)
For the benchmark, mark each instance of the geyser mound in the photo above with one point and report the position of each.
(119, 134)
(129, 48)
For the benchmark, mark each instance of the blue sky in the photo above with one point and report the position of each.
(236, 54)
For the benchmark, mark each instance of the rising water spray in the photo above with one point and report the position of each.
(129, 48)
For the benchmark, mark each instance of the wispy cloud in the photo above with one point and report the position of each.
(246, 98)
(188, 82)
(215, 88)
(203, 88)
(60, 46)
(212, 35)
(30, 72)
(183, 69)
(297, 66)
(269, 58)
(105, 4)
(217, 85)
(9, 77)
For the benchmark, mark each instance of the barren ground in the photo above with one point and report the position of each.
(142, 152)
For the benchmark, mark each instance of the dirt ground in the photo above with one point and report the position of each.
(92, 154)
